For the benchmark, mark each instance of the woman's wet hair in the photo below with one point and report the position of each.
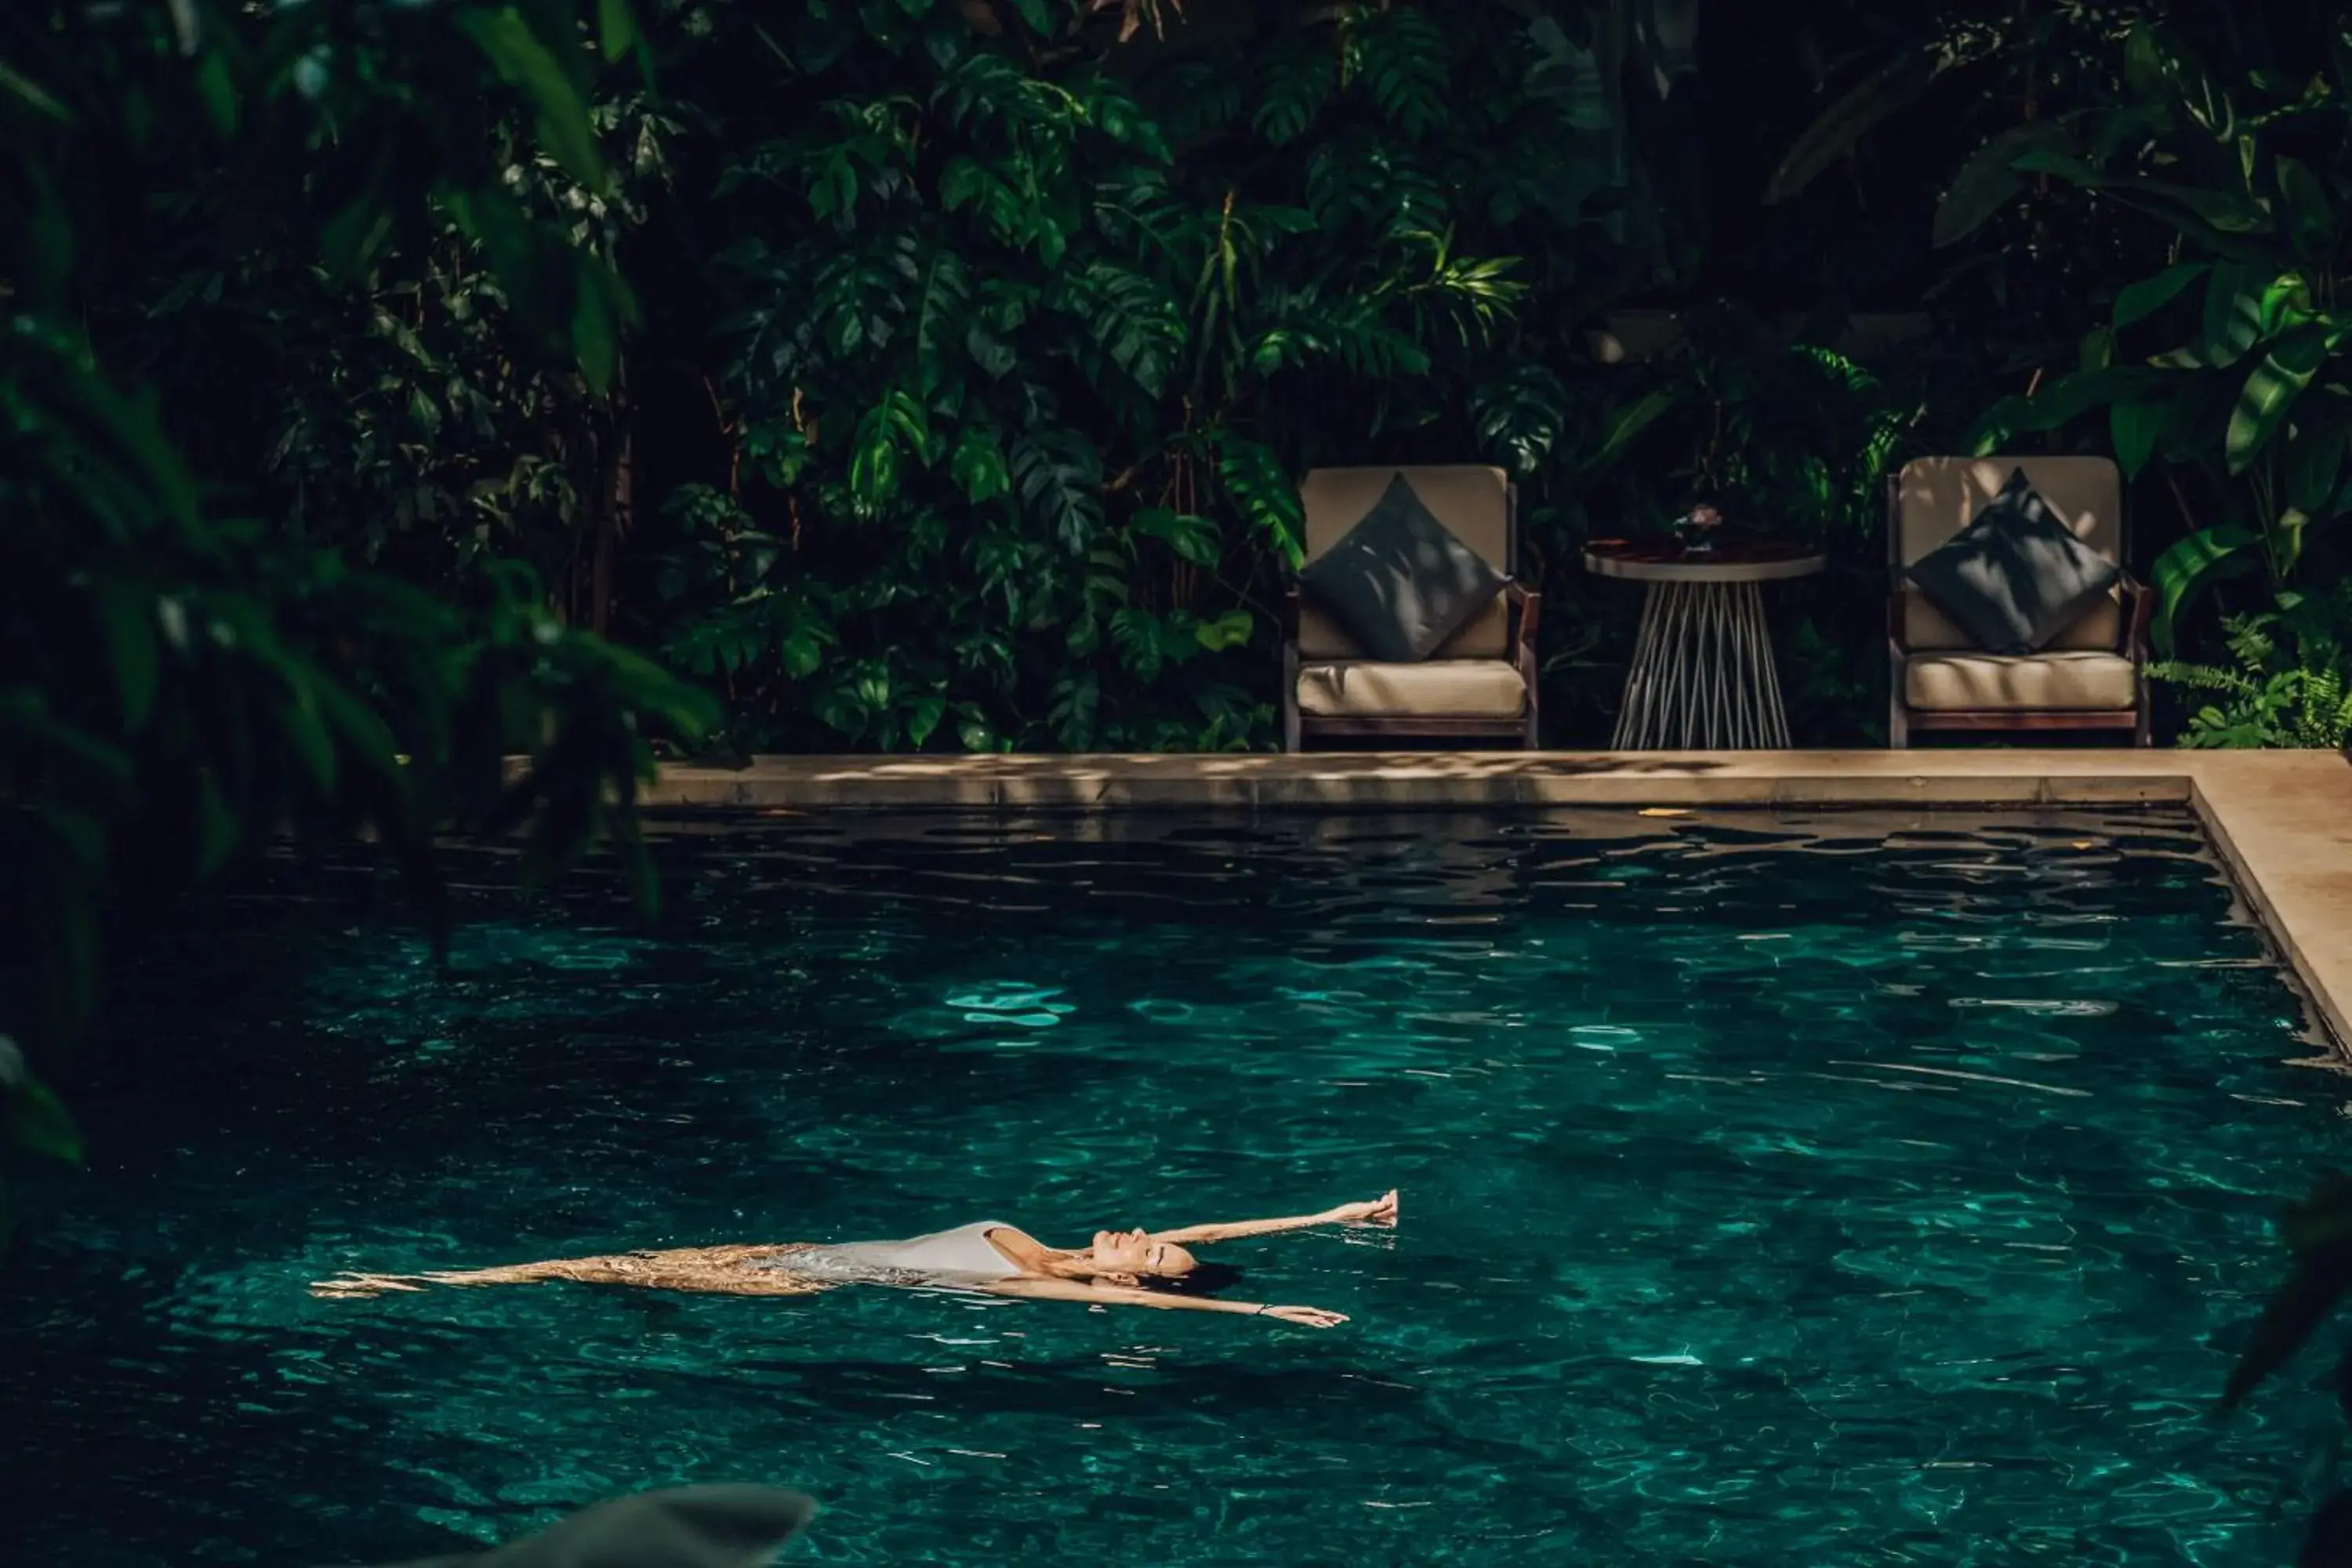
(1206, 1279)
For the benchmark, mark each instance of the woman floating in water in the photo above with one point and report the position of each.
(1121, 1268)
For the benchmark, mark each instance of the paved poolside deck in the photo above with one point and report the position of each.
(2282, 820)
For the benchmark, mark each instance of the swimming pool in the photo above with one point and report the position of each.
(1827, 1189)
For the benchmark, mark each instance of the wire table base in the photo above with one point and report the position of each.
(1703, 676)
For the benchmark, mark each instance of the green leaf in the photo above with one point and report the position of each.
(1298, 83)
(923, 715)
(1628, 423)
(2062, 401)
(977, 465)
(1137, 634)
(1058, 479)
(126, 614)
(1262, 492)
(1193, 538)
(2310, 218)
(2137, 424)
(617, 28)
(801, 652)
(2314, 455)
(216, 824)
(989, 351)
(2139, 301)
(2233, 313)
(217, 90)
(2286, 542)
(2318, 1232)
(2272, 390)
(37, 1121)
(529, 65)
(594, 341)
(31, 94)
(300, 726)
(940, 305)
(1989, 181)
(2072, 167)
(2225, 550)
(1228, 630)
(1886, 91)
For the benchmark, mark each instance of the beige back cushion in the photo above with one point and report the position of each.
(1938, 496)
(1472, 502)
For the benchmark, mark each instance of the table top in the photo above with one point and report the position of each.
(1733, 561)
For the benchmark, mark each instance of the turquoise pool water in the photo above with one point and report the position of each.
(1810, 1190)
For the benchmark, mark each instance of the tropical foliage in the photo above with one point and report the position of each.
(2243, 397)
(2285, 684)
(184, 670)
(1023, 341)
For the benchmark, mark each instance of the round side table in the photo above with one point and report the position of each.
(1702, 678)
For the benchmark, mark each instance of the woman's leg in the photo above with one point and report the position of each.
(720, 1271)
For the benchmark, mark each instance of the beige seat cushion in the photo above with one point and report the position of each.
(2074, 679)
(1450, 687)
(1938, 496)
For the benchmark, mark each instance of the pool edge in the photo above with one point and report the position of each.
(2280, 821)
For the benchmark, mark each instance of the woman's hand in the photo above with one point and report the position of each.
(1381, 1210)
(1304, 1316)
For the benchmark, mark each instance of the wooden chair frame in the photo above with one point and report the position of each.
(1902, 718)
(1525, 608)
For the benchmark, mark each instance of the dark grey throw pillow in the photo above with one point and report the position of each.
(2015, 576)
(1399, 580)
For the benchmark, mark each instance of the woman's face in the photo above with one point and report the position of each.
(1135, 1252)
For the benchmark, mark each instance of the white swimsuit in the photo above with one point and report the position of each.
(962, 1256)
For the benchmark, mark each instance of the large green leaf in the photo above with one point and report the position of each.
(37, 1120)
(1193, 538)
(1886, 91)
(2233, 312)
(1058, 478)
(2309, 216)
(1228, 630)
(30, 93)
(2271, 390)
(2135, 424)
(942, 302)
(2315, 456)
(1989, 181)
(1262, 492)
(1625, 425)
(2207, 556)
(529, 64)
(126, 616)
(2138, 301)
(2062, 401)
(1297, 79)
(977, 465)
(617, 28)
(2318, 1234)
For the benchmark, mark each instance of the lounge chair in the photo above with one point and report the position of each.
(2093, 675)
(1480, 683)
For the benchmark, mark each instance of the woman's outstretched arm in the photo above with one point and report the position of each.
(1381, 1210)
(711, 1270)
(1121, 1296)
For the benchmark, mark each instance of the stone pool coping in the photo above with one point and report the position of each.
(2281, 821)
